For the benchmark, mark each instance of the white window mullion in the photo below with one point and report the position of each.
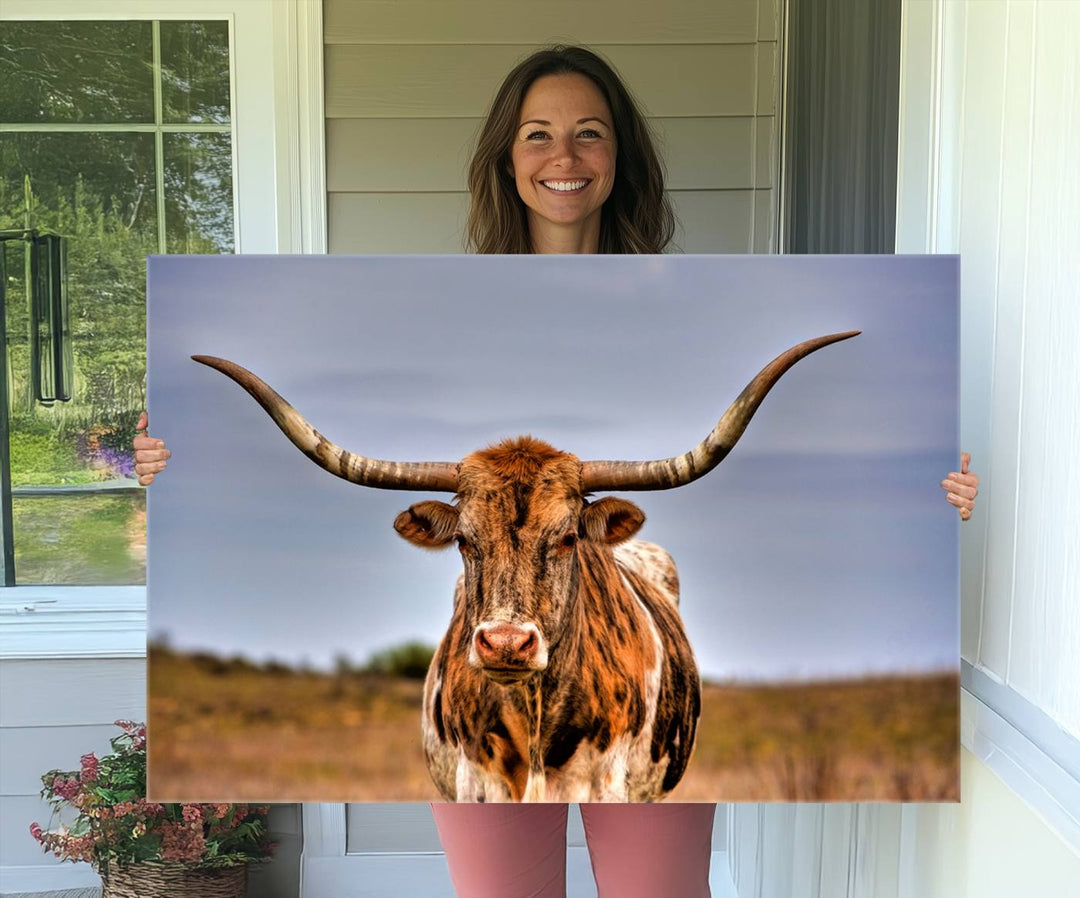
(159, 138)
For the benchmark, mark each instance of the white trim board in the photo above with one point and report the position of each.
(73, 622)
(1023, 765)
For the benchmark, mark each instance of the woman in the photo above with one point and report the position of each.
(565, 164)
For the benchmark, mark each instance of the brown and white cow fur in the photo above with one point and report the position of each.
(565, 674)
(594, 695)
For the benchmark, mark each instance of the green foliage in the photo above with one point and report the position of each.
(102, 537)
(117, 825)
(410, 660)
(38, 457)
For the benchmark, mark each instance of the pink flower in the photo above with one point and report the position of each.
(123, 808)
(65, 788)
(181, 842)
(36, 831)
(89, 768)
(192, 814)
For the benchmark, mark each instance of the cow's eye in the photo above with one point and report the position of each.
(569, 541)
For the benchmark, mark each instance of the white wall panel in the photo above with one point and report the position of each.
(65, 693)
(17, 846)
(1011, 272)
(813, 850)
(1046, 613)
(28, 752)
(1006, 185)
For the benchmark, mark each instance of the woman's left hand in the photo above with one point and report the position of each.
(962, 487)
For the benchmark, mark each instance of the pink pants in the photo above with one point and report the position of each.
(519, 851)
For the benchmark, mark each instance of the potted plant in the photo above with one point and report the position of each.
(143, 848)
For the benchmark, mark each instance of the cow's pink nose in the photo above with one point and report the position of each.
(506, 645)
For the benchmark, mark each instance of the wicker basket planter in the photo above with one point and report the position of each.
(159, 880)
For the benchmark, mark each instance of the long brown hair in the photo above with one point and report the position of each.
(637, 216)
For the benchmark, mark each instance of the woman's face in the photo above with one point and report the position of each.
(563, 154)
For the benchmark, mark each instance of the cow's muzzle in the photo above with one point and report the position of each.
(508, 653)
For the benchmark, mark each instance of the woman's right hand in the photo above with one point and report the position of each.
(150, 454)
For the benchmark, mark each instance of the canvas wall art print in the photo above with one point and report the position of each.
(586, 540)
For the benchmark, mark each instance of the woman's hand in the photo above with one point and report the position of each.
(150, 454)
(961, 487)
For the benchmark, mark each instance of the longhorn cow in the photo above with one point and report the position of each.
(565, 673)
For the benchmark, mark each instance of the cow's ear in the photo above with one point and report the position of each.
(612, 520)
(430, 525)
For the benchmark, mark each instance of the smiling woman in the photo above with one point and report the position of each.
(563, 162)
(561, 117)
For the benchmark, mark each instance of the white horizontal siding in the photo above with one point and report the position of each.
(709, 221)
(62, 693)
(28, 752)
(408, 81)
(53, 712)
(407, 85)
(521, 22)
(382, 155)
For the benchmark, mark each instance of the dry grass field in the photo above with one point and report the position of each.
(223, 729)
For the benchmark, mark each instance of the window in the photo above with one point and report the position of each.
(118, 136)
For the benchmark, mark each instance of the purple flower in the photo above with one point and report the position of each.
(120, 462)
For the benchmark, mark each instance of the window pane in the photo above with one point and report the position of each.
(82, 540)
(76, 72)
(98, 191)
(195, 71)
(198, 193)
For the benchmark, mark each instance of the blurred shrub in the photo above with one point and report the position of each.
(410, 660)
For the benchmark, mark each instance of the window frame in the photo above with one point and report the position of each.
(277, 139)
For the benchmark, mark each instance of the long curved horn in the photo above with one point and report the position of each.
(386, 475)
(679, 470)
